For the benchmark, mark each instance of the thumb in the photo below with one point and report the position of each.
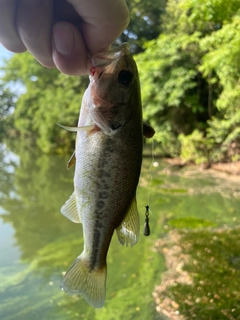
(69, 49)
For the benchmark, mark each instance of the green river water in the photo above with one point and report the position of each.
(37, 243)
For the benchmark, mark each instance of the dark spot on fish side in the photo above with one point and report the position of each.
(99, 213)
(125, 78)
(100, 204)
(94, 256)
(103, 195)
(99, 224)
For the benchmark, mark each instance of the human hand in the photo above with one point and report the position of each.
(61, 33)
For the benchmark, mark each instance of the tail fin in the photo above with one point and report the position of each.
(91, 284)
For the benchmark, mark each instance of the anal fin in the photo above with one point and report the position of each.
(128, 230)
(69, 209)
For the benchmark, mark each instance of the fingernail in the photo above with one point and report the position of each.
(63, 40)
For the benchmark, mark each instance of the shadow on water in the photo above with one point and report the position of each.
(32, 189)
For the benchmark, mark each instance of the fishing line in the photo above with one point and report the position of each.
(150, 173)
(146, 228)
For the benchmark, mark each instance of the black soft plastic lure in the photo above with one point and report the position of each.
(146, 229)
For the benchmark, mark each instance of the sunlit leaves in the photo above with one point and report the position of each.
(49, 98)
(205, 11)
(7, 104)
(189, 75)
(145, 22)
(190, 78)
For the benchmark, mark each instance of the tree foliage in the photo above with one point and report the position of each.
(49, 98)
(189, 66)
(7, 104)
(145, 22)
(190, 78)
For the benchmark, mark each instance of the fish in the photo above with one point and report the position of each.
(108, 158)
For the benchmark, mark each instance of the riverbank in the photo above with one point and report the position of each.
(231, 168)
(202, 279)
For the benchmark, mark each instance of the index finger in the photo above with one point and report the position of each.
(34, 21)
(103, 21)
(9, 36)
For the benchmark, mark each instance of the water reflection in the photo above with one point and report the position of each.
(8, 249)
(48, 243)
(32, 191)
(32, 194)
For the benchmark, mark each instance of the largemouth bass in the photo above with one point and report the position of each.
(108, 163)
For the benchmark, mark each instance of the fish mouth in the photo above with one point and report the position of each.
(103, 59)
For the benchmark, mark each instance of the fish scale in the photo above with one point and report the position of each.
(113, 183)
(108, 163)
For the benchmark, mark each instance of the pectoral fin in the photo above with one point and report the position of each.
(128, 230)
(148, 130)
(71, 161)
(69, 209)
(75, 129)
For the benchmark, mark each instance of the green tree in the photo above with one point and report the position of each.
(190, 80)
(223, 60)
(174, 92)
(49, 98)
(189, 72)
(145, 22)
(7, 104)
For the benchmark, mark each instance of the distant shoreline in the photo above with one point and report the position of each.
(231, 168)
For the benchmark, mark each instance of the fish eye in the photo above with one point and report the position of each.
(125, 77)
